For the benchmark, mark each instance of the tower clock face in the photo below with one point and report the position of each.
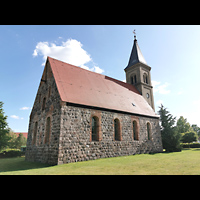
(147, 95)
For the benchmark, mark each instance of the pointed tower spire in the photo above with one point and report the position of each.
(136, 54)
(138, 73)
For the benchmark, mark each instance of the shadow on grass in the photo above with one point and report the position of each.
(19, 163)
(184, 149)
(166, 152)
(195, 149)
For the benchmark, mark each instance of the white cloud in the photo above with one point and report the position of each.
(97, 70)
(85, 67)
(160, 88)
(154, 83)
(70, 51)
(15, 117)
(25, 108)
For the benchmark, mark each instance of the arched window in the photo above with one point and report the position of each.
(133, 79)
(145, 78)
(44, 103)
(117, 130)
(149, 131)
(95, 129)
(35, 133)
(48, 131)
(135, 131)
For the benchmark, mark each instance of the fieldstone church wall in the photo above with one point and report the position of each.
(71, 137)
(75, 138)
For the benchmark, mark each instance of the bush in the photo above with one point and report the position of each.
(190, 145)
(11, 153)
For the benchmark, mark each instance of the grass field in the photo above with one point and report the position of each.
(185, 162)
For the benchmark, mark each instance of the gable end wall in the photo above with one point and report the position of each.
(41, 151)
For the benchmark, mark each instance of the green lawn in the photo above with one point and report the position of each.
(185, 162)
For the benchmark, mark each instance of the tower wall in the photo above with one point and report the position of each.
(138, 74)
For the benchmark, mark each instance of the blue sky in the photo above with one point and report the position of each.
(173, 52)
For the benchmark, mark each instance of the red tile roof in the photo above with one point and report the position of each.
(24, 134)
(80, 86)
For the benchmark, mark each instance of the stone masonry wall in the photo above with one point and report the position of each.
(75, 138)
(41, 151)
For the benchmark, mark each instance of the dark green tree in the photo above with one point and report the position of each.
(189, 137)
(170, 136)
(4, 129)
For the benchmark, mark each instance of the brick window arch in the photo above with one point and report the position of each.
(48, 131)
(135, 131)
(35, 133)
(117, 130)
(149, 133)
(95, 129)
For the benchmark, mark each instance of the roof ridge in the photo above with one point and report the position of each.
(75, 66)
(91, 71)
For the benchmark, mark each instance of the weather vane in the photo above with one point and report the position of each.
(134, 33)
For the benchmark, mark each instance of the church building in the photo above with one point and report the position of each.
(79, 115)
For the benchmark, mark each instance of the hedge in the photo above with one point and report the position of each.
(190, 145)
(11, 153)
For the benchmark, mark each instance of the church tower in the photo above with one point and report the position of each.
(138, 74)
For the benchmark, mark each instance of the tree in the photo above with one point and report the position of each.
(196, 129)
(15, 141)
(170, 136)
(189, 137)
(12, 140)
(182, 125)
(20, 141)
(4, 129)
